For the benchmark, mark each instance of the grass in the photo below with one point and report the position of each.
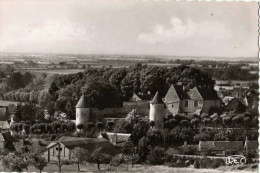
(135, 168)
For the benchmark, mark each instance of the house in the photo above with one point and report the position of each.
(238, 92)
(251, 146)
(4, 126)
(6, 109)
(227, 99)
(63, 149)
(221, 147)
(140, 97)
(236, 104)
(178, 99)
(119, 139)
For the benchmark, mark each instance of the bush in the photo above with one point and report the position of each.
(106, 159)
(217, 163)
(187, 163)
(187, 150)
(53, 137)
(156, 156)
(66, 162)
(117, 160)
(254, 166)
(242, 167)
(196, 164)
(208, 163)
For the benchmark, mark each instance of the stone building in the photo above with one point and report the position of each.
(157, 111)
(180, 100)
(63, 149)
(82, 111)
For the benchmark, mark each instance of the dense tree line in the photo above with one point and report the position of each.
(232, 73)
(138, 78)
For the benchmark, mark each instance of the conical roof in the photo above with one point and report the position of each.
(157, 99)
(83, 103)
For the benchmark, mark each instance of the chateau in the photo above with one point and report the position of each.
(177, 100)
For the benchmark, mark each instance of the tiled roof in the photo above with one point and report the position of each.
(79, 142)
(229, 144)
(175, 93)
(194, 94)
(252, 144)
(144, 97)
(221, 145)
(90, 144)
(83, 103)
(238, 102)
(207, 93)
(70, 138)
(157, 99)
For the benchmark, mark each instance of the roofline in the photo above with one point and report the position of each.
(199, 93)
(120, 133)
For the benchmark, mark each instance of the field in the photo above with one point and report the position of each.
(135, 168)
(55, 71)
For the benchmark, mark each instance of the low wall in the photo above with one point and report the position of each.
(141, 108)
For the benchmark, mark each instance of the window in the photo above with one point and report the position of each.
(172, 106)
(57, 148)
(186, 104)
(195, 103)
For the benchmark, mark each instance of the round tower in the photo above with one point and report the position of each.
(82, 111)
(156, 113)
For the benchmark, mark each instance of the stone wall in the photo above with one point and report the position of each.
(141, 107)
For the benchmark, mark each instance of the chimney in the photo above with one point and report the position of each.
(184, 87)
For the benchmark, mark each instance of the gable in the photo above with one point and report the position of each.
(173, 94)
(235, 103)
(207, 93)
(194, 94)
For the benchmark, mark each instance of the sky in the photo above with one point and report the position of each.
(210, 29)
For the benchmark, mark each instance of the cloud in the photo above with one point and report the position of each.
(188, 30)
(49, 33)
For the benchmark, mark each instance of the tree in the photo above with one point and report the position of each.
(80, 126)
(143, 148)
(16, 162)
(71, 126)
(39, 162)
(80, 154)
(100, 125)
(185, 123)
(152, 124)
(156, 156)
(97, 156)
(64, 127)
(15, 80)
(195, 122)
(109, 125)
